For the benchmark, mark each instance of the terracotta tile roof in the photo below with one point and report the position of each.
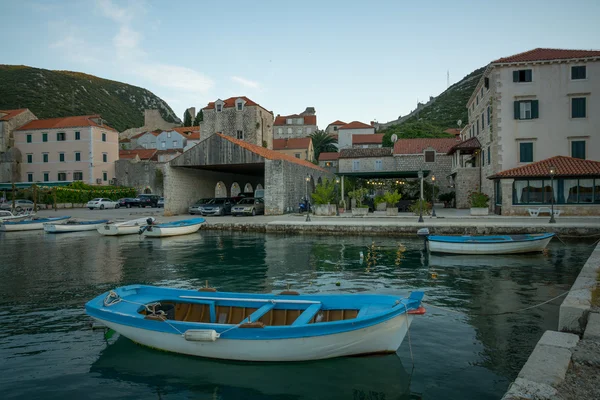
(417, 146)
(540, 54)
(355, 125)
(565, 166)
(165, 152)
(364, 153)
(230, 102)
(270, 154)
(338, 122)
(329, 156)
(375, 138)
(294, 143)
(125, 141)
(139, 135)
(453, 131)
(189, 132)
(143, 154)
(5, 115)
(469, 144)
(64, 122)
(308, 119)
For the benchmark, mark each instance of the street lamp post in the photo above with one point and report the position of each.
(552, 173)
(307, 201)
(433, 197)
(421, 199)
(337, 206)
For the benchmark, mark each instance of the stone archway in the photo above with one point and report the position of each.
(259, 187)
(248, 188)
(319, 181)
(235, 189)
(220, 189)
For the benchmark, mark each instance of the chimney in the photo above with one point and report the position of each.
(372, 123)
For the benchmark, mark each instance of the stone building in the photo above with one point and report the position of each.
(296, 125)
(10, 157)
(152, 121)
(137, 169)
(346, 132)
(329, 161)
(333, 127)
(368, 160)
(530, 107)
(239, 118)
(466, 170)
(297, 147)
(145, 140)
(367, 141)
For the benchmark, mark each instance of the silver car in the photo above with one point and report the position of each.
(248, 206)
(196, 207)
(20, 205)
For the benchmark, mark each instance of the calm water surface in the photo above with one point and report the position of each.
(47, 349)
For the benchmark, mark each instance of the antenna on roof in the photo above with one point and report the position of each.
(447, 79)
(394, 138)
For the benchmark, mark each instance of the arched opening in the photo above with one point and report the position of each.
(147, 191)
(248, 188)
(259, 186)
(319, 181)
(220, 190)
(235, 189)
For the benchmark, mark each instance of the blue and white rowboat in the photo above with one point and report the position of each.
(176, 228)
(73, 226)
(498, 244)
(31, 224)
(257, 327)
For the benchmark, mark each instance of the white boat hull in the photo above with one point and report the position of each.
(385, 337)
(527, 246)
(65, 228)
(171, 231)
(27, 227)
(123, 228)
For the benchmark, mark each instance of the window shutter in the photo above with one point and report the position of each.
(517, 110)
(528, 75)
(515, 76)
(535, 111)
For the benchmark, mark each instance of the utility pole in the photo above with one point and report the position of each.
(447, 79)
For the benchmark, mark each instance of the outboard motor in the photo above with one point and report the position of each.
(148, 227)
(424, 233)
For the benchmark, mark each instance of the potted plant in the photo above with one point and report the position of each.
(324, 198)
(342, 206)
(478, 203)
(421, 206)
(391, 199)
(447, 198)
(357, 195)
(379, 203)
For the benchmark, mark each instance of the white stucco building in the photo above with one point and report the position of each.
(347, 131)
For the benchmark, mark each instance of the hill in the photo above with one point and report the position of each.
(50, 94)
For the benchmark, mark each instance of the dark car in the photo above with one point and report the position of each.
(146, 200)
(128, 202)
(219, 206)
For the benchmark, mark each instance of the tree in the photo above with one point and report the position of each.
(187, 118)
(324, 192)
(412, 130)
(323, 143)
(199, 118)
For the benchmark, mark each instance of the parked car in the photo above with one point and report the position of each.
(195, 208)
(161, 202)
(218, 206)
(101, 203)
(128, 202)
(20, 205)
(148, 200)
(248, 206)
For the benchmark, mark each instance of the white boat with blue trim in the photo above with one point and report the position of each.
(124, 228)
(493, 244)
(257, 327)
(35, 224)
(175, 228)
(74, 226)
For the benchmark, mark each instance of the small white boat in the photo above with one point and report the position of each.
(74, 226)
(8, 216)
(31, 224)
(175, 228)
(497, 244)
(124, 228)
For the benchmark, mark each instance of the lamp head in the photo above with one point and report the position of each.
(552, 170)
(433, 178)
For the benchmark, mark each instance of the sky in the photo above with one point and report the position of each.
(351, 60)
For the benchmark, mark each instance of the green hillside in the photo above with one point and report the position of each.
(50, 94)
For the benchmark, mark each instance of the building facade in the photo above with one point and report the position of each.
(81, 148)
(296, 125)
(333, 127)
(10, 157)
(239, 118)
(346, 132)
(366, 160)
(367, 141)
(301, 148)
(329, 161)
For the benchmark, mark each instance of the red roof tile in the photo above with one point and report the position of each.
(356, 125)
(5, 115)
(329, 156)
(417, 146)
(364, 153)
(125, 141)
(64, 122)
(308, 119)
(541, 54)
(453, 131)
(375, 138)
(139, 135)
(143, 154)
(271, 154)
(469, 144)
(189, 132)
(230, 102)
(294, 143)
(338, 122)
(565, 166)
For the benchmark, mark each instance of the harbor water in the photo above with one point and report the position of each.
(467, 345)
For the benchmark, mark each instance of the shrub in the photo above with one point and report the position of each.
(478, 200)
(324, 192)
(358, 195)
(392, 198)
(447, 197)
(378, 200)
(416, 207)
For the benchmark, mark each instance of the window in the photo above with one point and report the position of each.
(44, 137)
(62, 176)
(489, 155)
(482, 158)
(328, 164)
(498, 191)
(219, 107)
(486, 83)
(103, 137)
(308, 131)
(77, 156)
(240, 135)
(489, 111)
(522, 75)
(104, 157)
(300, 121)
(289, 131)
(77, 176)
(29, 158)
(175, 144)
(163, 145)
(61, 157)
(46, 176)
(299, 131)
(565, 191)
(528, 109)
(104, 176)
(578, 107)
(77, 135)
(482, 93)
(578, 149)
(355, 165)
(430, 156)
(28, 138)
(335, 128)
(482, 121)
(61, 137)
(240, 106)
(280, 131)
(578, 72)
(168, 134)
(45, 157)
(478, 126)
(378, 165)
(29, 177)
(526, 152)
(289, 121)
(297, 155)
(477, 100)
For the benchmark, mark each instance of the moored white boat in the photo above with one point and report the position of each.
(257, 327)
(74, 226)
(175, 228)
(497, 244)
(9, 216)
(124, 228)
(31, 224)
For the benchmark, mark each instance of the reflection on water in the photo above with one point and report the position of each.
(49, 351)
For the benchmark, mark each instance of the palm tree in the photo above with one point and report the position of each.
(323, 142)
